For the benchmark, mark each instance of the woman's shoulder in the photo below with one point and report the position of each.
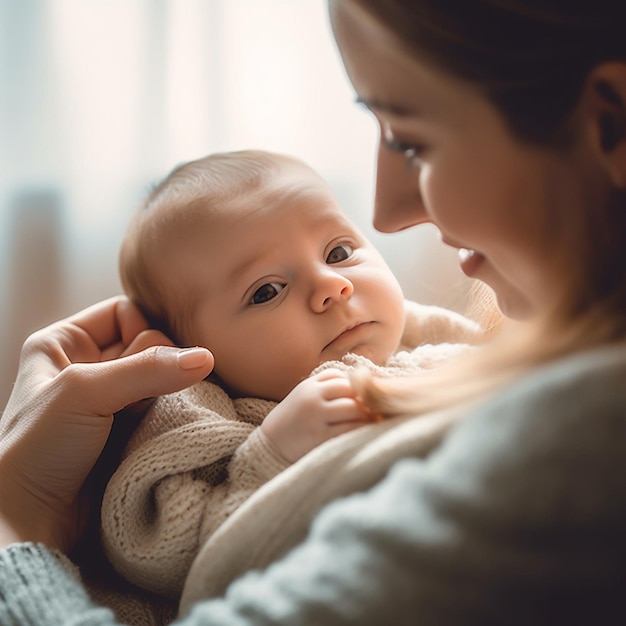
(560, 432)
(581, 389)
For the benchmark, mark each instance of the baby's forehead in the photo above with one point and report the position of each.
(201, 213)
(311, 202)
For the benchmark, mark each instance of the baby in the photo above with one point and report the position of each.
(250, 255)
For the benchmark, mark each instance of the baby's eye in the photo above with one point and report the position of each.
(339, 253)
(266, 292)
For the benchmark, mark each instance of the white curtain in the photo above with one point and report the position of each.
(100, 98)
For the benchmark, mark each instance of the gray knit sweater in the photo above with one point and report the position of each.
(517, 517)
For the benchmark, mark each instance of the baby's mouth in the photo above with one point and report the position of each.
(348, 333)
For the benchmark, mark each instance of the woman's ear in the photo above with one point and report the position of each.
(607, 89)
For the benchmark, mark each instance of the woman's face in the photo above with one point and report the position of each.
(492, 196)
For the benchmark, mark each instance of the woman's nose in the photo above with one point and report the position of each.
(398, 202)
(330, 287)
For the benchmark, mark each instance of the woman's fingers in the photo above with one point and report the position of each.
(109, 386)
(129, 320)
(103, 331)
(108, 322)
(144, 339)
(102, 359)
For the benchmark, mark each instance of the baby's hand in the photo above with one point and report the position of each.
(317, 409)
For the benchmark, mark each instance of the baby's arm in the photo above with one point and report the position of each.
(193, 460)
(317, 409)
(197, 457)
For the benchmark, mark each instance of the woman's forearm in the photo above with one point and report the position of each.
(39, 587)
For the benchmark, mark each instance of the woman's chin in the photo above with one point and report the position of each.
(513, 305)
(511, 302)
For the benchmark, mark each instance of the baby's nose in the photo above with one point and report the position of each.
(330, 287)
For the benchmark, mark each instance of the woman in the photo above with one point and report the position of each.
(504, 124)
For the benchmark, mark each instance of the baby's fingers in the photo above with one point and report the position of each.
(330, 374)
(347, 410)
(336, 384)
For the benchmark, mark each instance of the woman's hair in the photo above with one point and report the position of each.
(208, 185)
(531, 59)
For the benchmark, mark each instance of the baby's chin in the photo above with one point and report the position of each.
(274, 393)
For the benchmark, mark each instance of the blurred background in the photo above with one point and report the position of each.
(99, 99)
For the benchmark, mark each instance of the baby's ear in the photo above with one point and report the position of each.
(607, 91)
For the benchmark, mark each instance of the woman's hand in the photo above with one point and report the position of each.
(73, 375)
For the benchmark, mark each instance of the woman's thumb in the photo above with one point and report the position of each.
(109, 386)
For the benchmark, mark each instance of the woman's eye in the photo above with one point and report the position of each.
(339, 253)
(266, 292)
(412, 151)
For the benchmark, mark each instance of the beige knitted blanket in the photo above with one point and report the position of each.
(199, 455)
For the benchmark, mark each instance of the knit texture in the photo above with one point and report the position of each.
(192, 461)
(517, 517)
(198, 455)
(55, 598)
(277, 517)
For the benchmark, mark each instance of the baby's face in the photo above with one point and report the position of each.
(283, 288)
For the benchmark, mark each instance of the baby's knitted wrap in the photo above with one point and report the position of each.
(198, 455)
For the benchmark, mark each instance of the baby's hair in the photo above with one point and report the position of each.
(209, 184)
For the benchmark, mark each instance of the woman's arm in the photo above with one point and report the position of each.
(69, 384)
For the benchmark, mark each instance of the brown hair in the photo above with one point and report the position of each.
(530, 57)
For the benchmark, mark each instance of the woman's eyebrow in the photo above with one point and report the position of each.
(384, 107)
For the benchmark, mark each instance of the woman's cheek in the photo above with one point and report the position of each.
(434, 195)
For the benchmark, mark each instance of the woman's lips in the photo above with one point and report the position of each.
(470, 261)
